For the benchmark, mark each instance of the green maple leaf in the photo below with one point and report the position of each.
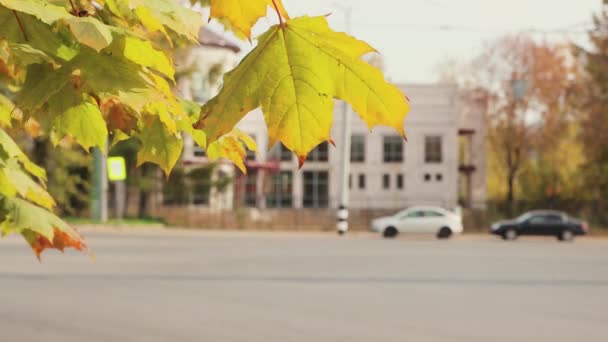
(41, 228)
(7, 188)
(107, 76)
(90, 32)
(143, 53)
(24, 54)
(41, 36)
(41, 84)
(294, 74)
(6, 108)
(170, 14)
(159, 146)
(41, 9)
(25, 186)
(83, 121)
(186, 122)
(25, 216)
(9, 148)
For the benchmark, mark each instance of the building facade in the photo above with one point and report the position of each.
(441, 163)
(387, 172)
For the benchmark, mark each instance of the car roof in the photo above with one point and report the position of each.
(545, 212)
(427, 207)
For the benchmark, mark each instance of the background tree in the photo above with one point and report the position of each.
(525, 125)
(592, 100)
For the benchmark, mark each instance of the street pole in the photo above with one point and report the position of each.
(99, 200)
(342, 214)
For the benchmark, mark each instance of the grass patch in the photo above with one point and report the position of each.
(127, 221)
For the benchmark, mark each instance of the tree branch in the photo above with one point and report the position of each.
(74, 10)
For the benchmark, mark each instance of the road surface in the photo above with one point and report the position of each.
(185, 286)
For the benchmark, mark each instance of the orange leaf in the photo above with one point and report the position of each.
(118, 117)
(61, 241)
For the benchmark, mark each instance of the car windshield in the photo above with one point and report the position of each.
(403, 212)
(523, 217)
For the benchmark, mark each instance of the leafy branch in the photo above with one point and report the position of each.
(83, 77)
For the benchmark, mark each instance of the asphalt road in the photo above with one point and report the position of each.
(288, 287)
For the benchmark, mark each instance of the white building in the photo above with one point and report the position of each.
(442, 163)
(386, 171)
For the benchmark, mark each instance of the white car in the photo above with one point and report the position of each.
(420, 219)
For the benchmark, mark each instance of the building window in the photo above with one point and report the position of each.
(175, 188)
(357, 149)
(200, 185)
(251, 189)
(439, 177)
(320, 153)
(393, 149)
(280, 152)
(350, 181)
(316, 189)
(361, 181)
(386, 181)
(427, 177)
(281, 190)
(399, 181)
(199, 151)
(432, 149)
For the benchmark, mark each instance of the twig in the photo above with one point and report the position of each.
(74, 10)
(20, 26)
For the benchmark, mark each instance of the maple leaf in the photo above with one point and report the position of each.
(41, 9)
(170, 14)
(84, 122)
(46, 38)
(19, 182)
(242, 15)
(118, 117)
(24, 55)
(10, 150)
(142, 53)
(159, 146)
(293, 74)
(232, 147)
(40, 228)
(91, 32)
(6, 108)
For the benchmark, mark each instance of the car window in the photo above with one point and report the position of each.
(549, 218)
(413, 214)
(524, 217)
(430, 213)
(553, 218)
(536, 219)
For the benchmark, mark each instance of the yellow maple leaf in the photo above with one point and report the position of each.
(243, 14)
(294, 74)
(232, 147)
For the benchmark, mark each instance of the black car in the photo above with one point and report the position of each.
(541, 222)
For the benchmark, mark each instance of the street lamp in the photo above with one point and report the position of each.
(342, 214)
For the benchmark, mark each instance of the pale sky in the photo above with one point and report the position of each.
(415, 36)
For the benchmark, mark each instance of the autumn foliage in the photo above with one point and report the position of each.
(87, 71)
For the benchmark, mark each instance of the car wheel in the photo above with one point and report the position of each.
(509, 234)
(390, 232)
(566, 235)
(444, 233)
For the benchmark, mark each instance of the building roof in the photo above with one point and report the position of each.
(209, 37)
